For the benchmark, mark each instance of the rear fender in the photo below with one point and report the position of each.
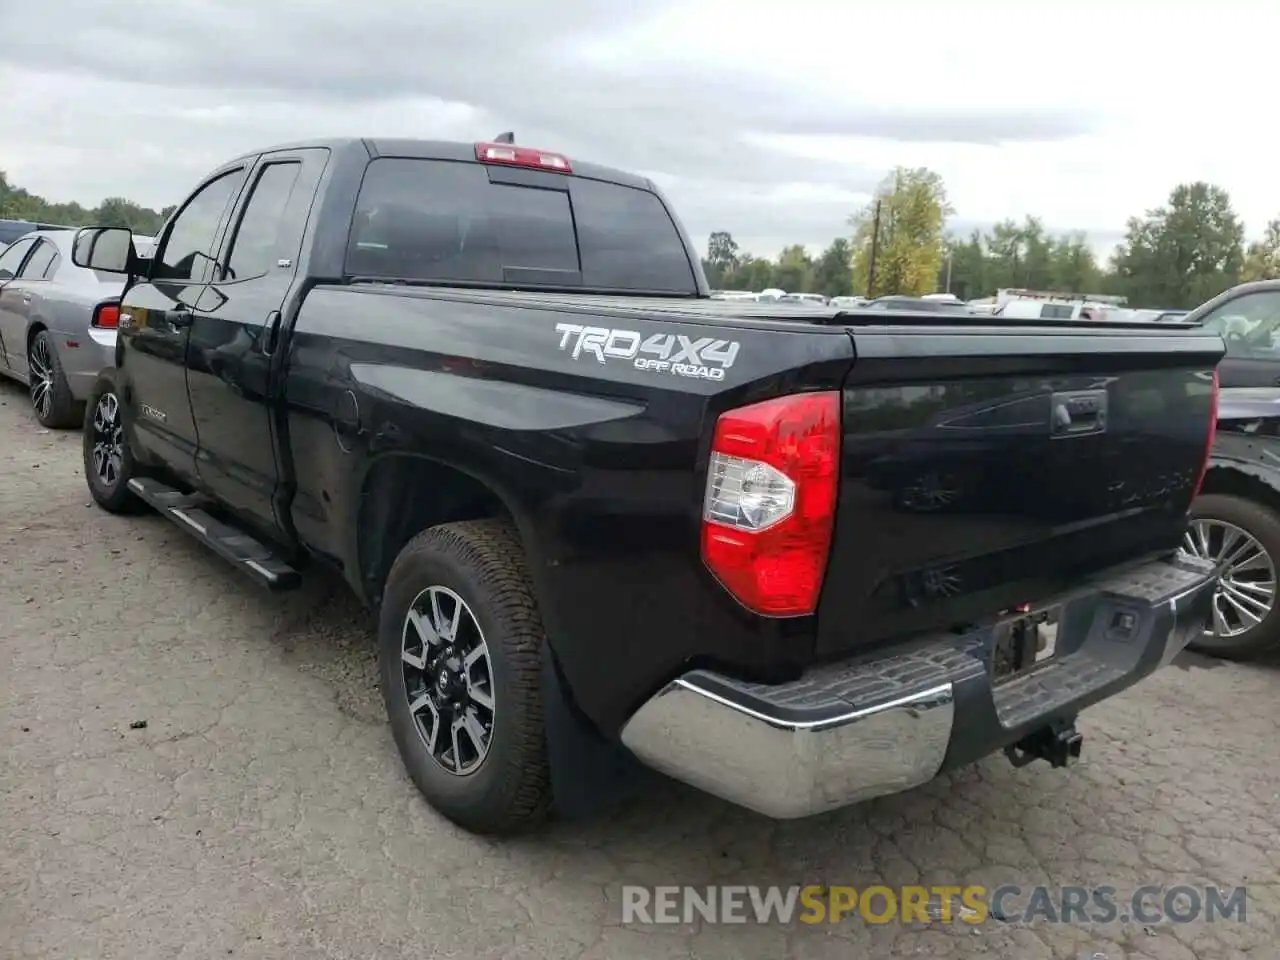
(1249, 447)
(367, 582)
(1244, 465)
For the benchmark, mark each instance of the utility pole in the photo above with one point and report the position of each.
(948, 290)
(875, 249)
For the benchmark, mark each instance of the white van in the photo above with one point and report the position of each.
(1041, 310)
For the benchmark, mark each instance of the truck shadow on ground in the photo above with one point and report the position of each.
(989, 819)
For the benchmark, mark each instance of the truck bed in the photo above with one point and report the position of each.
(963, 491)
(702, 308)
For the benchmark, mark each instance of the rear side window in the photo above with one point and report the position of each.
(444, 221)
(263, 237)
(1057, 311)
(11, 258)
(38, 262)
(628, 240)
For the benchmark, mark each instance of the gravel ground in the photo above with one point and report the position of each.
(262, 810)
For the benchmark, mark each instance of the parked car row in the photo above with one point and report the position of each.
(1236, 520)
(57, 320)
(57, 323)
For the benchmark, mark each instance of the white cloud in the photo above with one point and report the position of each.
(769, 121)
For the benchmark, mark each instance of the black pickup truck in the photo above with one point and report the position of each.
(797, 558)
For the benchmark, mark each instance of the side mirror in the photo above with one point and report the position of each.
(109, 249)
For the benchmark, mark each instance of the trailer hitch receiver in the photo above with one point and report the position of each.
(1059, 743)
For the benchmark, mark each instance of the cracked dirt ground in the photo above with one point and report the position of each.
(262, 811)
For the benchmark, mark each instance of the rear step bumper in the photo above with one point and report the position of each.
(847, 732)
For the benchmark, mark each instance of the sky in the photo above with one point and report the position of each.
(771, 121)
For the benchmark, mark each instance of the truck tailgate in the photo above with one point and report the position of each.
(986, 467)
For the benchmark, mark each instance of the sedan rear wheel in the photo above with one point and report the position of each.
(1242, 537)
(51, 397)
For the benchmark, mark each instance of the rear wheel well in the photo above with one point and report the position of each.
(32, 331)
(1237, 483)
(405, 495)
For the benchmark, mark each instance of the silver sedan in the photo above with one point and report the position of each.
(57, 324)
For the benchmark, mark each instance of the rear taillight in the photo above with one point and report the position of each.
(512, 156)
(1213, 432)
(106, 316)
(771, 501)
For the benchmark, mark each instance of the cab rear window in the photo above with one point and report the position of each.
(444, 221)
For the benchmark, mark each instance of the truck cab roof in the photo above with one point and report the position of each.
(457, 150)
(484, 213)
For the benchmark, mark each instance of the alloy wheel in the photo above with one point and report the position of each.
(1246, 588)
(448, 680)
(108, 440)
(41, 366)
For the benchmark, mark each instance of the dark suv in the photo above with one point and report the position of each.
(11, 230)
(1247, 317)
(1236, 518)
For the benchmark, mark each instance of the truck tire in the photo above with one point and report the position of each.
(51, 397)
(109, 465)
(486, 651)
(1262, 524)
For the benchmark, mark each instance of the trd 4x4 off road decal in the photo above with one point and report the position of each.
(703, 357)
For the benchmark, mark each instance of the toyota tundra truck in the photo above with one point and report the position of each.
(606, 524)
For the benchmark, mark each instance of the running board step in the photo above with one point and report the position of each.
(245, 553)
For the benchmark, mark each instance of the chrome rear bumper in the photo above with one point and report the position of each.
(849, 732)
(792, 768)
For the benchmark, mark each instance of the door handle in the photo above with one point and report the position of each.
(271, 335)
(179, 318)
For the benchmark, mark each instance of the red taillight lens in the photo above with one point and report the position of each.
(1213, 432)
(107, 316)
(513, 156)
(770, 501)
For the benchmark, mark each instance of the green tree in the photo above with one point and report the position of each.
(1020, 255)
(1073, 268)
(794, 270)
(1262, 259)
(966, 265)
(721, 259)
(749, 273)
(1037, 255)
(1183, 253)
(1006, 253)
(913, 209)
(119, 212)
(833, 271)
(17, 203)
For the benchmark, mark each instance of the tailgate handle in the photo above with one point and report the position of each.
(1078, 413)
